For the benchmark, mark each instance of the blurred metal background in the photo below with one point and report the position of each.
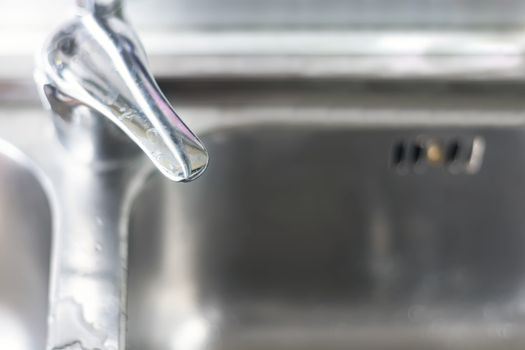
(298, 38)
(228, 14)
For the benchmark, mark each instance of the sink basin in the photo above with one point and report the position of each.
(335, 238)
(375, 219)
(25, 236)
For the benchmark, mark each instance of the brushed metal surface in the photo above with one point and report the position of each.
(449, 39)
(25, 238)
(303, 235)
(226, 14)
(307, 238)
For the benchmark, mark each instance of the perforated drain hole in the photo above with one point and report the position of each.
(398, 154)
(456, 155)
(417, 151)
(453, 151)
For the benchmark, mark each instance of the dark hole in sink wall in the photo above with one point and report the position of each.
(417, 155)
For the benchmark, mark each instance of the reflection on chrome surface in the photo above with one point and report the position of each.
(25, 241)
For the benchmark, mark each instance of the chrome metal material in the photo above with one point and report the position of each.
(329, 14)
(101, 7)
(393, 39)
(336, 251)
(25, 241)
(89, 250)
(324, 14)
(92, 74)
(307, 54)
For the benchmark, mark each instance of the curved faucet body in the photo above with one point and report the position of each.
(93, 75)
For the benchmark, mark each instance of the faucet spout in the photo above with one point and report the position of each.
(96, 66)
(93, 75)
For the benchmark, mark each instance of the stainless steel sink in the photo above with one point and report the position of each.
(25, 236)
(324, 222)
(325, 237)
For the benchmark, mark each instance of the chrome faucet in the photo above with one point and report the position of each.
(94, 67)
(93, 75)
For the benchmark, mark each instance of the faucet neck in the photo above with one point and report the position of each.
(101, 7)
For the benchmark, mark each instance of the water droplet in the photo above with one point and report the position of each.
(110, 97)
(152, 135)
(59, 64)
(70, 329)
(110, 345)
(128, 115)
(73, 346)
(98, 247)
(415, 312)
(503, 331)
(156, 155)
